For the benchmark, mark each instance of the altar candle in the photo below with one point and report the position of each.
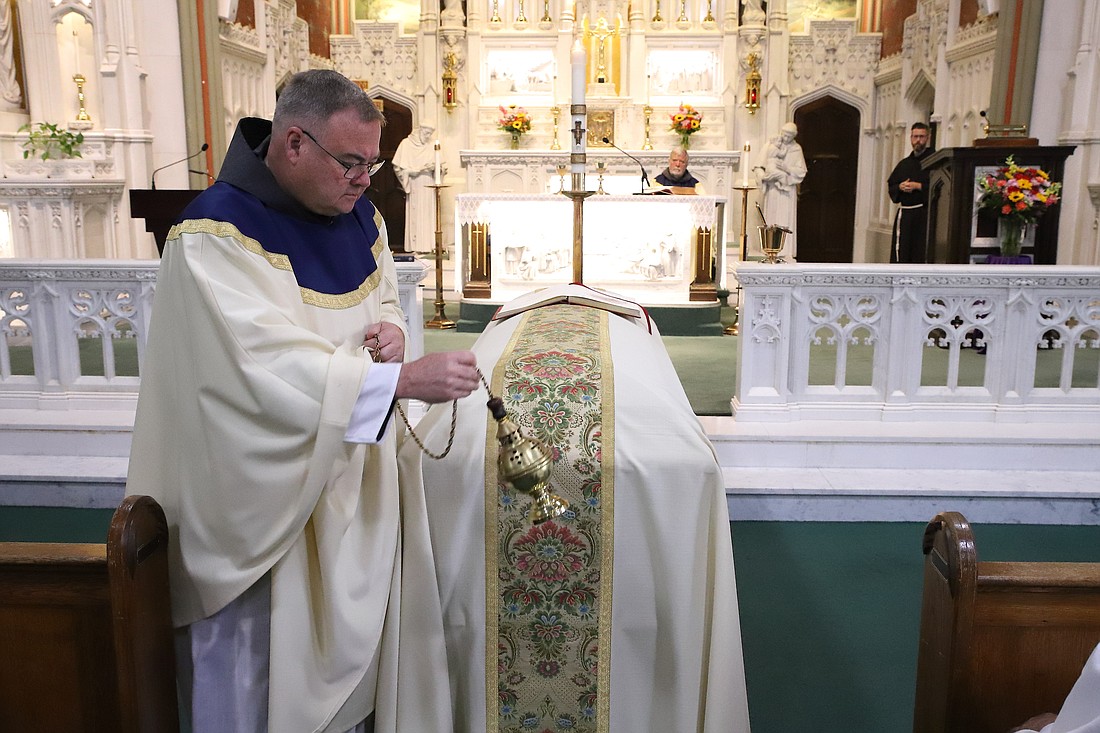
(438, 166)
(577, 61)
(745, 166)
(578, 117)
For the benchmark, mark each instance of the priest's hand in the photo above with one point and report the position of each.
(439, 377)
(385, 342)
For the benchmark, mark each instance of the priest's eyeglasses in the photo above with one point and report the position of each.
(351, 170)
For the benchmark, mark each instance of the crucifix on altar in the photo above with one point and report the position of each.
(600, 35)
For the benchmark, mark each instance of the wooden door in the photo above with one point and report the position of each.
(385, 191)
(828, 131)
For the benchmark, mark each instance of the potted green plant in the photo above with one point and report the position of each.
(48, 141)
(50, 151)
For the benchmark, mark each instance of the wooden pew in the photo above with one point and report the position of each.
(86, 633)
(999, 641)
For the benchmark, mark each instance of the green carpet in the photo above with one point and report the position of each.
(706, 365)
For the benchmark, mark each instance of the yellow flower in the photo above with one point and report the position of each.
(1015, 196)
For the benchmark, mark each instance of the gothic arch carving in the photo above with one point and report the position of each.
(861, 104)
(384, 92)
(921, 88)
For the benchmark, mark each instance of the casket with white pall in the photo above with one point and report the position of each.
(621, 614)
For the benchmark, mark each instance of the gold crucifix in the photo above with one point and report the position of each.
(602, 32)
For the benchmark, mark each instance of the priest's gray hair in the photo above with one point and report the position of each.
(317, 94)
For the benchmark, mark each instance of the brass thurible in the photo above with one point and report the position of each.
(524, 463)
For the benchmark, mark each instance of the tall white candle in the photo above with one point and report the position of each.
(578, 119)
(438, 165)
(745, 165)
(577, 62)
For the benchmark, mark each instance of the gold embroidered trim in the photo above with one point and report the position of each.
(330, 301)
(492, 589)
(607, 524)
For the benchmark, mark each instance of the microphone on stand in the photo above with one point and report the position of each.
(153, 178)
(645, 178)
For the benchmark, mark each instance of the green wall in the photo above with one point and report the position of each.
(830, 611)
(830, 615)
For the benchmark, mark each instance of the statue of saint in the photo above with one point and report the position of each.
(752, 13)
(784, 168)
(414, 165)
(452, 15)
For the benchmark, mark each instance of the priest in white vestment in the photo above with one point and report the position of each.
(620, 615)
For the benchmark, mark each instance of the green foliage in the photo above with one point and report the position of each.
(46, 140)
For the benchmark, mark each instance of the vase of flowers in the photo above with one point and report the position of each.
(686, 121)
(1018, 195)
(515, 121)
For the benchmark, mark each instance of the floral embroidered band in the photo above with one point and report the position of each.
(548, 586)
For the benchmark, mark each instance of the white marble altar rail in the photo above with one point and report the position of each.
(65, 436)
(920, 343)
(57, 309)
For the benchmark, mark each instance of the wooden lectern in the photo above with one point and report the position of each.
(953, 221)
(159, 209)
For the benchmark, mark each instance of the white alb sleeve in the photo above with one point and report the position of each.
(371, 415)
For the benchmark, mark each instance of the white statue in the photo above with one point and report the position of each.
(752, 13)
(10, 93)
(452, 15)
(414, 165)
(784, 168)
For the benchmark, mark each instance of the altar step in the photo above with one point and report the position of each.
(688, 319)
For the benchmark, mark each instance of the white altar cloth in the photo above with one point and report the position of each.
(642, 247)
(676, 656)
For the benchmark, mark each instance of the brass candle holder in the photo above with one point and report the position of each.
(647, 111)
(82, 113)
(440, 320)
(555, 112)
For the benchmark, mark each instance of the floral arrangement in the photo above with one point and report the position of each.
(1018, 193)
(1018, 196)
(685, 121)
(514, 119)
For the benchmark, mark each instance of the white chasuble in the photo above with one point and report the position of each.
(620, 615)
(247, 391)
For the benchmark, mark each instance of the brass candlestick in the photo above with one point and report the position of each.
(648, 112)
(440, 320)
(733, 329)
(578, 194)
(555, 112)
(81, 114)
